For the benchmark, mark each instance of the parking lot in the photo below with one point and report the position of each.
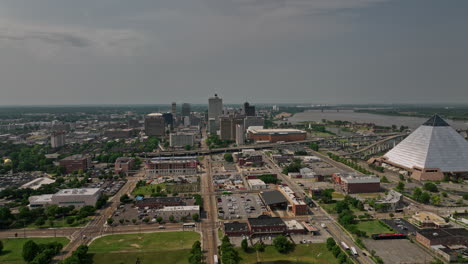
(239, 206)
(401, 225)
(398, 251)
(109, 188)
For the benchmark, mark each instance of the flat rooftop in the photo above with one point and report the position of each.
(273, 197)
(276, 131)
(360, 179)
(81, 191)
(428, 217)
(180, 208)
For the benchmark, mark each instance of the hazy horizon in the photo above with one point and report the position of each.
(103, 52)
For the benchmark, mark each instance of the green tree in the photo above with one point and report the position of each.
(125, 198)
(110, 221)
(429, 186)
(465, 196)
(171, 218)
(401, 186)
(196, 254)
(228, 157)
(282, 244)
(1, 247)
(159, 219)
(435, 199)
(40, 221)
(245, 245)
(330, 243)
(30, 250)
(196, 217)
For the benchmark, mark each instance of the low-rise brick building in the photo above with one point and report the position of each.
(443, 236)
(75, 163)
(350, 183)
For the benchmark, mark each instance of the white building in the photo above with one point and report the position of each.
(257, 184)
(181, 139)
(240, 135)
(67, 197)
(178, 212)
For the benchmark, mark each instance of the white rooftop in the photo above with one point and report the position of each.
(360, 179)
(256, 182)
(180, 208)
(83, 191)
(45, 198)
(434, 145)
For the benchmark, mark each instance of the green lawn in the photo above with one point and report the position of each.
(163, 247)
(337, 195)
(372, 227)
(303, 254)
(13, 247)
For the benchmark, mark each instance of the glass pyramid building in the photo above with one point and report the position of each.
(431, 150)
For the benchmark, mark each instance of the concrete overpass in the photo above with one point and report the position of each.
(378, 147)
(323, 142)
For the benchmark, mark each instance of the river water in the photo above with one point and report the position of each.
(381, 120)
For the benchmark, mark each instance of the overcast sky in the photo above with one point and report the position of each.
(264, 51)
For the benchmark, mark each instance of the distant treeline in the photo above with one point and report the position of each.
(455, 113)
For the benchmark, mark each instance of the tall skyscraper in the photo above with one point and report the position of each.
(185, 109)
(215, 107)
(174, 110)
(155, 125)
(249, 110)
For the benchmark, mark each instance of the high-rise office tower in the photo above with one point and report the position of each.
(215, 107)
(185, 109)
(155, 125)
(174, 110)
(249, 110)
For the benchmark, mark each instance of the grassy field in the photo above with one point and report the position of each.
(303, 254)
(13, 247)
(337, 195)
(149, 189)
(372, 227)
(164, 247)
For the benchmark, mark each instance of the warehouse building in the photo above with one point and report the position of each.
(257, 184)
(274, 199)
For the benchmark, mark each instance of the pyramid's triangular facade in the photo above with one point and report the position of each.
(433, 145)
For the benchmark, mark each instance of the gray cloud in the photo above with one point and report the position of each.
(333, 51)
(55, 38)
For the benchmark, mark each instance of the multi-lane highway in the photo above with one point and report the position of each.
(209, 228)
